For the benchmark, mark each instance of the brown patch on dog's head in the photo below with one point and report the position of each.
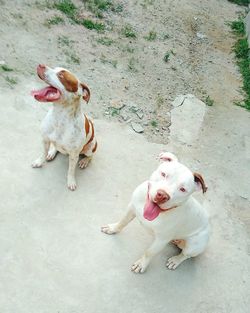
(86, 92)
(68, 80)
(200, 181)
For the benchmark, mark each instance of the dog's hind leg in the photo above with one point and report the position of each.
(193, 246)
(176, 260)
(117, 227)
(52, 152)
(84, 162)
(87, 152)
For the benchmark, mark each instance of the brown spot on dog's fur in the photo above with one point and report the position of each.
(86, 95)
(86, 125)
(199, 179)
(85, 147)
(180, 243)
(95, 147)
(68, 80)
(93, 132)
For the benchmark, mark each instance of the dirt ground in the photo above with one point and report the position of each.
(53, 257)
(128, 77)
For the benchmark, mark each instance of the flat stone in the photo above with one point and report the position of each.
(137, 127)
(179, 100)
(187, 119)
(139, 114)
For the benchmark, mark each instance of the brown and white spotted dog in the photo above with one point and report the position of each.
(65, 128)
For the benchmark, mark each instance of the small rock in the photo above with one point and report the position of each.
(133, 109)
(124, 116)
(139, 114)
(2, 62)
(137, 127)
(201, 36)
(117, 104)
(129, 120)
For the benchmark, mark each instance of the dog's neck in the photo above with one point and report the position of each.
(72, 108)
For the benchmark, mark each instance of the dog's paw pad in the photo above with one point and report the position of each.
(138, 267)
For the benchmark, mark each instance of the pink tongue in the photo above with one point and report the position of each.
(46, 94)
(151, 210)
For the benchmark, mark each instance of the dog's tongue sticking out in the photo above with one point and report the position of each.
(47, 94)
(151, 210)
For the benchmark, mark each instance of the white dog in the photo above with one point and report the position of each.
(65, 128)
(164, 204)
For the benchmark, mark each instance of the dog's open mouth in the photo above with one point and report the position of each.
(47, 94)
(151, 210)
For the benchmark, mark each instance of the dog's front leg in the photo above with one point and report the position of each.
(117, 227)
(73, 158)
(157, 246)
(39, 162)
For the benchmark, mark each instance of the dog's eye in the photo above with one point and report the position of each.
(163, 174)
(182, 189)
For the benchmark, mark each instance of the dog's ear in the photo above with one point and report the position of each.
(167, 157)
(199, 182)
(85, 92)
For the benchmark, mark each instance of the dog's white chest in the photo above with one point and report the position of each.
(64, 130)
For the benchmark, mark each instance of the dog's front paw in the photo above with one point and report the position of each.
(37, 163)
(71, 184)
(139, 266)
(110, 229)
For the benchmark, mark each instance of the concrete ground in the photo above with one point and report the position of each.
(54, 257)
